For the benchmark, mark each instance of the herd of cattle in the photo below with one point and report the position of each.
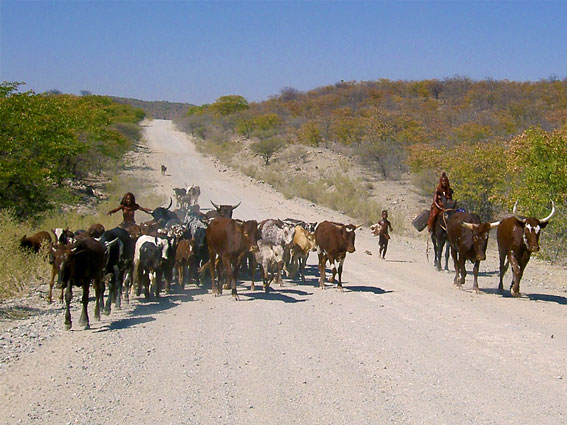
(183, 244)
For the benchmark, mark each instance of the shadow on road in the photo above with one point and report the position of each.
(371, 289)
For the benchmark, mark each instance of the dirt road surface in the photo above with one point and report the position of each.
(400, 345)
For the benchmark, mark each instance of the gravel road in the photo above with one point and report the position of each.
(400, 345)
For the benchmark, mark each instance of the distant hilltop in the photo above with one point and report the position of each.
(157, 109)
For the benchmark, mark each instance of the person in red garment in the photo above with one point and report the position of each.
(443, 193)
(128, 206)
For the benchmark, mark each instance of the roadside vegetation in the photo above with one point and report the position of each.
(499, 141)
(53, 147)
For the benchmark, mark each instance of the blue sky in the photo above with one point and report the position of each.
(195, 52)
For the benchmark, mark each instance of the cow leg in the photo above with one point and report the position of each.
(127, 285)
(180, 276)
(447, 257)
(253, 265)
(462, 270)
(475, 273)
(68, 298)
(455, 265)
(84, 320)
(279, 273)
(502, 271)
(98, 284)
(51, 283)
(517, 272)
(322, 262)
(230, 277)
(301, 265)
(341, 262)
(212, 260)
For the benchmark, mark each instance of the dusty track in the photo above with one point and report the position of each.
(399, 345)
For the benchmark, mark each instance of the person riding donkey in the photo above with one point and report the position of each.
(443, 193)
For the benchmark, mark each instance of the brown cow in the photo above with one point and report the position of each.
(35, 241)
(56, 255)
(95, 230)
(468, 238)
(334, 240)
(183, 256)
(230, 240)
(517, 238)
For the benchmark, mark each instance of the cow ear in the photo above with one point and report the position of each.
(542, 225)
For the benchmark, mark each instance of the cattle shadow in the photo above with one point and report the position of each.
(145, 309)
(277, 295)
(558, 299)
(368, 289)
(547, 298)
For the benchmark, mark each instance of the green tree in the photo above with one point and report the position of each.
(226, 105)
(267, 148)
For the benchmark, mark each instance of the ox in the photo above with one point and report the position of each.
(162, 215)
(468, 238)
(35, 241)
(231, 241)
(334, 240)
(80, 265)
(303, 243)
(222, 210)
(517, 238)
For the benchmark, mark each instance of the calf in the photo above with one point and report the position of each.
(276, 236)
(517, 238)
(63, 236)
(303, 243)
(230, 240)
(183, 256)
(35, 241)
(150, 264)
(468, 238)
(56, 256)
(334, 240)
(80, 265)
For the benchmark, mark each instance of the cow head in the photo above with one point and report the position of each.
(532, 227)
(480, 233)
(348, 234)
(250, 232)
(225, 210)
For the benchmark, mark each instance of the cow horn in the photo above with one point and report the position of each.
(170, 203)
(237, 205)
(494, 224)
(546, 219)
(215, 205)
(523, 220)
(466, 225)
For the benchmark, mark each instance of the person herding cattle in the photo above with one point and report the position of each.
(128, 206)
(443, 193)
(381, 230)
